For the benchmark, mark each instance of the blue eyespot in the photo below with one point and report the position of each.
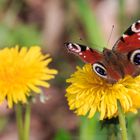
(100, 70)
(135, 57)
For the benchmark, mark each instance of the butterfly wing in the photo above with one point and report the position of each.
(130, 40)
(116, 63)
(87, 54)
(129, 46)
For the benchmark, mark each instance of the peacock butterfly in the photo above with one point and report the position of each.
(112, 65)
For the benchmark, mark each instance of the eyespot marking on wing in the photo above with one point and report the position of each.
(130, 40)
(87, 54)
(136, 27)
(73, 47)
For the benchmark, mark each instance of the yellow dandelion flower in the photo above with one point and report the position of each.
(23, 70)
(88, 93)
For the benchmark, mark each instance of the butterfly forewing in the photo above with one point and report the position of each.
(130, 40)
(85, 53)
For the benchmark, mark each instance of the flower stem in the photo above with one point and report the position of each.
(19, 121)
(27, 122)
(87, 128)
(112, 129)
(122, 122)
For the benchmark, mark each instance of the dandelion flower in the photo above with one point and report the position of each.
(22, 71)
(88, 94)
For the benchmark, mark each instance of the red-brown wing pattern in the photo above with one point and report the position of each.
(130, 40)
(122, 60)
(85, 53)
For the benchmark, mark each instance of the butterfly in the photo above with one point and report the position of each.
(123, 59)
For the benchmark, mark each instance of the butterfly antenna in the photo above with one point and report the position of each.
(110, 34)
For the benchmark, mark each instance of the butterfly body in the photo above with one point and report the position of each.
(122, 60)
(117, 65)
